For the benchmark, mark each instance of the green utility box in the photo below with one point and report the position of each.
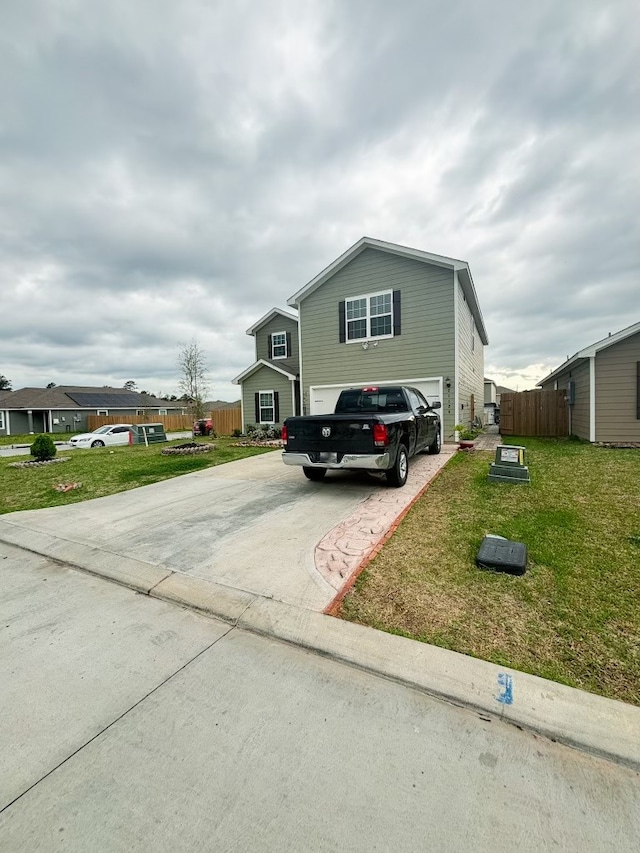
(509, 466)
(148, 433)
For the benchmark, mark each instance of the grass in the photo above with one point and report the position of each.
(574, 617)
(27, 438)
(104, 471)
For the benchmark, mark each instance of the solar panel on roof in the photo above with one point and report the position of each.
(126, 400)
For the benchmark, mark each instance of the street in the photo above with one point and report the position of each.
(133, 724)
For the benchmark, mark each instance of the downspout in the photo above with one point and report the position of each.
(592, 398)
(456, 378)
(299, 307)
(8, 422)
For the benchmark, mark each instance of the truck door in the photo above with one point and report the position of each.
(420, 409)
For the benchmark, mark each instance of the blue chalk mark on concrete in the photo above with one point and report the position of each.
(505, 682)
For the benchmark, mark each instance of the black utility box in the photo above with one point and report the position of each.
(502, 555)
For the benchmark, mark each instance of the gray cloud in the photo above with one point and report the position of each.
(172, 171)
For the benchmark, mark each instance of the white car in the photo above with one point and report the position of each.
(103, 436)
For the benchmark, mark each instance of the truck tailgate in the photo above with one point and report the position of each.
(331, 433)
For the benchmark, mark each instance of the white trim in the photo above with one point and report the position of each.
(368, 336)
(2, 419)
(286, 354)
(8, 430)
(242, 411)
(456, 351)
(592, 398)
(272, 406)
(269, 316)
(260, 363)
(104, 412)
(293, 398)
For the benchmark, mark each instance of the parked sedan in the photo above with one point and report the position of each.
(103, 436)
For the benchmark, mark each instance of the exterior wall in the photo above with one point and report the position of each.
(425, 347)
(277, 324)
(490, 392)
(579, 414)
(265, 379)
(470, 364)
(616, 391)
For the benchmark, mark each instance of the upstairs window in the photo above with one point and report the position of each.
(280, 345)
(374, 315)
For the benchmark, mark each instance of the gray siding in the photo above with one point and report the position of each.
(616, 390)
(470, 365)
(425, 347)
(579, 413)
(265, 379)
(278, 324)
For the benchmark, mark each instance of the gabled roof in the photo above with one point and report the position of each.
(269, 316)
(81, 397)
(461, 267)
(257, 365)
(592, 350)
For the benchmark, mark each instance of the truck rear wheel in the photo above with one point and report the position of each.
(397, 476)
(436, 444)
(315, 474)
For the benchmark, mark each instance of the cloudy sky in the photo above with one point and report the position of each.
(169, 171)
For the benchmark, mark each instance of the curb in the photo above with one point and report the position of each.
(606, 728)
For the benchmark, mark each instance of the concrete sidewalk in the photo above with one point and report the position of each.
(130, 724)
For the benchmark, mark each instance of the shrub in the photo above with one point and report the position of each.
(237, 433)
(43, 448)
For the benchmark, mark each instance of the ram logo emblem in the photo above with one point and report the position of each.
(326, 432)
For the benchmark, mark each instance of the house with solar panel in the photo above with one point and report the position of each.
(65, 408)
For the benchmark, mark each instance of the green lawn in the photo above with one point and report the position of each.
(28, 438)
(104, 471)
(573, 617)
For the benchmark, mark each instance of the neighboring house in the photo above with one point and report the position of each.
(490, 401)
(271, 386)
(64, 408)
(603, 381)
(500, 390)
(380, 313)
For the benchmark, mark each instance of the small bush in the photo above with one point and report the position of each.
(43, 448)
(237, 433)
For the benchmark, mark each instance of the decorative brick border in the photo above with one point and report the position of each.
(344, 552)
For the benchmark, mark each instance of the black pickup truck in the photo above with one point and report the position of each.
(374, 429)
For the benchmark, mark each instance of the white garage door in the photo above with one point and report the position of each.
(323, 398)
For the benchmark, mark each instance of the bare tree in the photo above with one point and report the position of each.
(193, 370)
(130, 385)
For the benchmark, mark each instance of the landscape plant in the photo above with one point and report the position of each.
(43, 448)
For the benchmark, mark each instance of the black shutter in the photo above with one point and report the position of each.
(342, 322)
(276, 407)
(288, 352)
(638, 391)
(397, 325)
(257, 408)
(270, 347)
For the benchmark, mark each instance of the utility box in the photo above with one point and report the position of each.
(148, 433)
(509, 466)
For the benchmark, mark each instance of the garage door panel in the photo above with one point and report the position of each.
(322, 399)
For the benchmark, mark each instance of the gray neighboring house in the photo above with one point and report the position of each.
(64, 408)
(380, 313)
(271, 386)
(605, 387)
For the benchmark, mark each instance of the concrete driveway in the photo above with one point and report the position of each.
(252, 524)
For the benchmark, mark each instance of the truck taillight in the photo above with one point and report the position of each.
(284, 434)
(380, 435)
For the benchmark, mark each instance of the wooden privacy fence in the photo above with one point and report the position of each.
(224, 420)
(541, 413)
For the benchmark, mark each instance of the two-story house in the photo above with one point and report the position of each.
(380, 313)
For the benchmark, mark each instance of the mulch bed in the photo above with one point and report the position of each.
(36, 464)
(188, 449)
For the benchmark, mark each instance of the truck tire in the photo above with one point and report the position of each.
(315, 474)
(397, 476)
(436, 444)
